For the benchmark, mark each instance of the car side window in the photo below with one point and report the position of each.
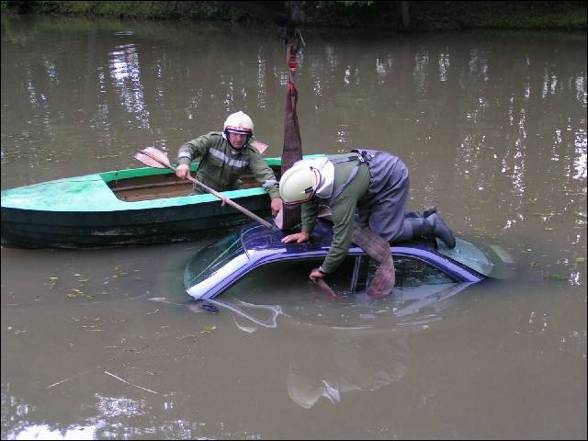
(411, 272)
(354, 274)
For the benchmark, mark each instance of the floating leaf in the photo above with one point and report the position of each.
(208, 329)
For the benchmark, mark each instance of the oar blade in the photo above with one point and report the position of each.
(158, 155)
(261, 147)
(148, 161)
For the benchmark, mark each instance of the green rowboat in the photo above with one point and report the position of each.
(135, 206)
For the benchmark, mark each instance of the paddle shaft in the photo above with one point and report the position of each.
(226, 200)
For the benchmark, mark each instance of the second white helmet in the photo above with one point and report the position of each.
(299, 183)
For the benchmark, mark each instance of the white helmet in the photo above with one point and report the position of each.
(238, 122)
(299, 183)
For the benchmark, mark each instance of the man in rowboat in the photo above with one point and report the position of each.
(227, 155)
(374, 182)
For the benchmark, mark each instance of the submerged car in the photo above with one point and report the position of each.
(226, 261)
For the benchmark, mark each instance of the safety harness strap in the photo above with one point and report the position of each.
(361, 156)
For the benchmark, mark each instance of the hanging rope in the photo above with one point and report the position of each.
(292, 150)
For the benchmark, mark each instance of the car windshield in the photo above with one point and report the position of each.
(212, 258)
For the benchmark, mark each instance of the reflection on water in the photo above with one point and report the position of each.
(340, 357)
(345, 363)
(109, 409)
(412, 306)
(113, 421)
(493, 128)
(46, 432)
(125, 71)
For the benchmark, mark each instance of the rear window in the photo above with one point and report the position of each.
(469, 255)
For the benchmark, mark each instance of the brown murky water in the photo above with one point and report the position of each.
(106, 344)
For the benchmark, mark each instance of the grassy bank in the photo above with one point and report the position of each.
(396, 15)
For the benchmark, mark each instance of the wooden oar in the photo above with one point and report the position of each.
(156, 158)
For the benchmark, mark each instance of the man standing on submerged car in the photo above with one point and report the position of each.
(375, 183)
(227, 155)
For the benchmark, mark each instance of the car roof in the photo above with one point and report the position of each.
(255, 237)
(472, 254)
